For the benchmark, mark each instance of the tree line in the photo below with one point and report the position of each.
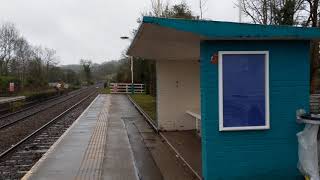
(28, 66)
(35, 66)
(32, 67)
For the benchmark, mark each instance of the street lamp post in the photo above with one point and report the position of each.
(132, 84)
(240, 11)
(131, 63)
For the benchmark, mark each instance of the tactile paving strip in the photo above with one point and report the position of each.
(91, 165)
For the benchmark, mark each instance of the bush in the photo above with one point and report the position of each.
(74, 87)
(105, 84)
(16, 105)
(4, 84)
(35, 83)
(41, 95)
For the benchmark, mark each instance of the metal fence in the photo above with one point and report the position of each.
(125, 88)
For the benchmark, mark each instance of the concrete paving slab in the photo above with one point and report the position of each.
(171, 167)
(146, 166)
(118, 160)
(188, 144)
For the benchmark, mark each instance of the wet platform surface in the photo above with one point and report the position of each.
(188, 144)
(149, 146)
(111, 141)
(88, 150)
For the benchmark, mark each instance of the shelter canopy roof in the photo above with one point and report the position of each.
(179, 39)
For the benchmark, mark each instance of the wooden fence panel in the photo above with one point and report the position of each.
(125, 88)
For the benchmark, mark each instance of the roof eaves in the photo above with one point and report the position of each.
(231, 30)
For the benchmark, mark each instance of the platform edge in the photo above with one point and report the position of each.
(44, 157)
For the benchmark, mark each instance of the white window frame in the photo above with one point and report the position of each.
(267, 104)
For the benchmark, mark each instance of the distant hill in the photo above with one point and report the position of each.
(74, 67)
(101, 71)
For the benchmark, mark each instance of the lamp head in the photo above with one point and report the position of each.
(124, 37)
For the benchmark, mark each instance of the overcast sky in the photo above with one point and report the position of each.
(90, 29)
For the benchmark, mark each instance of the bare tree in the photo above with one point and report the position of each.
(22, 55)
(8, 37)
(49, 58)
(288, 12)
(86, 65)
(158, 8)
(272, 11)
(36, 66)
(37, 52)
(202, 7)
(312, 9)
(25, 64)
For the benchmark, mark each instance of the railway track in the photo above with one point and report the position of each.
(18, 159)
(5, 112)
(19, 126)
(39, 103)
(28, 105)
(10, 119)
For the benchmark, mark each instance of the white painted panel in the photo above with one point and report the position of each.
(178, 85)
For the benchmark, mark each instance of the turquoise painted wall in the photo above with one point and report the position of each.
(267, 154)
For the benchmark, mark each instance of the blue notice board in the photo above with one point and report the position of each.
(243, 90)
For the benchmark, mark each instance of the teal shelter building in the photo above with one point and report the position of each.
(246, 82)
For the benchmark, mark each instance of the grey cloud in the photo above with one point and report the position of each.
(88, 28)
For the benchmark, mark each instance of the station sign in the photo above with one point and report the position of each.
(11, 87)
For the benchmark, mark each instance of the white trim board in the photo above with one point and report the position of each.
(267, 104)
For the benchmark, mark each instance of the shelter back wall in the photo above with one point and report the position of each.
(178, 90)
(266, 154)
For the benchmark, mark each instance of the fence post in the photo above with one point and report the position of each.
(132, 88)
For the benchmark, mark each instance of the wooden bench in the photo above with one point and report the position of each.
(197, 116)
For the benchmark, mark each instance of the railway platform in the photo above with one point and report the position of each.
(110, 140)
(81, 152)
(4, 100)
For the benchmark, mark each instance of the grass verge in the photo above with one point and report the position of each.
(104, 90)
(147, 103)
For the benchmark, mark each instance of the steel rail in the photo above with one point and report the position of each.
(34, 104)
(36, 112)
(57, 97)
